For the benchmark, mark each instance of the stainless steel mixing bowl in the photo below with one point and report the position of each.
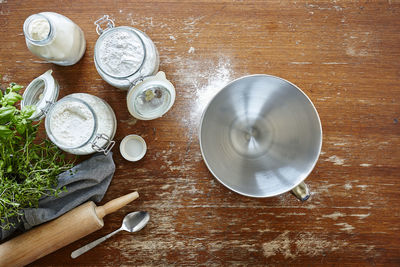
(260, 136)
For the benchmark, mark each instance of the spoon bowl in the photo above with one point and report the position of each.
(135, 221)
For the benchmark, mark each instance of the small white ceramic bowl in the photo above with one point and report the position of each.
(133, 147)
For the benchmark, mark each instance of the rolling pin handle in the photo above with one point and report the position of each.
(115, 204)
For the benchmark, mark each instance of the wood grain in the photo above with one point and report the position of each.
(51, 236)
(343, 54)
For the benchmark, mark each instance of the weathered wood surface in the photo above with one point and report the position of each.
(345, 55)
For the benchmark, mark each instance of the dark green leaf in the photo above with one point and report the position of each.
(20, 128)
(5, 132)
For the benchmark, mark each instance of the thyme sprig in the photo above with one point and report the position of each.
(28, 169)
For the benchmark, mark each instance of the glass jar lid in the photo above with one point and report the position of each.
(42, 92)
(151, 98)
(120, 52)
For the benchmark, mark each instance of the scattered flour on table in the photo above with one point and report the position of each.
(336, 160)
(345, 227)
(348, 186)
(217, 75)
(5, 77)
(147, 23)
(361, 216)
(334, 215)
(365, 165)
(291, 245)
(190, 29)
(191, 50)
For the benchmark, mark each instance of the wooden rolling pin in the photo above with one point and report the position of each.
(49, 237)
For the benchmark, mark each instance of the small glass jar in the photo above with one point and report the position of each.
(123, 55)
(79, 123)
(151, 97)
(54, 38)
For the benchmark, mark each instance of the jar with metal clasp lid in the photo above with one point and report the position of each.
(78, 123)
(151, 97)
(123, 54)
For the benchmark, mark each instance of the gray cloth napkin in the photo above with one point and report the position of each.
(89, 181)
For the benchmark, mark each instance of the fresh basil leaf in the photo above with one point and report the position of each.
(5, 132)
(11, 98)
(20, 128)
(16, 87)
(6, 113)
(27, 111)
(17, 137)
(9, 88)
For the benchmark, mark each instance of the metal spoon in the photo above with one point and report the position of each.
(132, 222)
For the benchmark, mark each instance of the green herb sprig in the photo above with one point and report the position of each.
(28, 169)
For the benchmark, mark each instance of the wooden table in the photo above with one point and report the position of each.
(345, 55)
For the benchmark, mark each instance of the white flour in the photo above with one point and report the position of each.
(216, 76)
(121, 53)
(106, 121)
(71, 123)
(39, 29)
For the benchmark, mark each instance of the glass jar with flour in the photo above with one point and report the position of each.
(54, 38)
(79, 123)
(123, 55)
(128, 59)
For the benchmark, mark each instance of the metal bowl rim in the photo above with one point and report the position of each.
(201, 145)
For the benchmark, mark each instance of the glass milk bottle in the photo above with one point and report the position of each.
(54, 38)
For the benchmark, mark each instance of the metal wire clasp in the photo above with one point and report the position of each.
(46, 109)
(108, 146)
(138, 80)
(109, 23)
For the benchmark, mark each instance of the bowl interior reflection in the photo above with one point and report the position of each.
(260, 136)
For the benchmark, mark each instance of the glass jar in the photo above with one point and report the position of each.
(151, 97)
(54, 38)
(79, 123)
(123, 55)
